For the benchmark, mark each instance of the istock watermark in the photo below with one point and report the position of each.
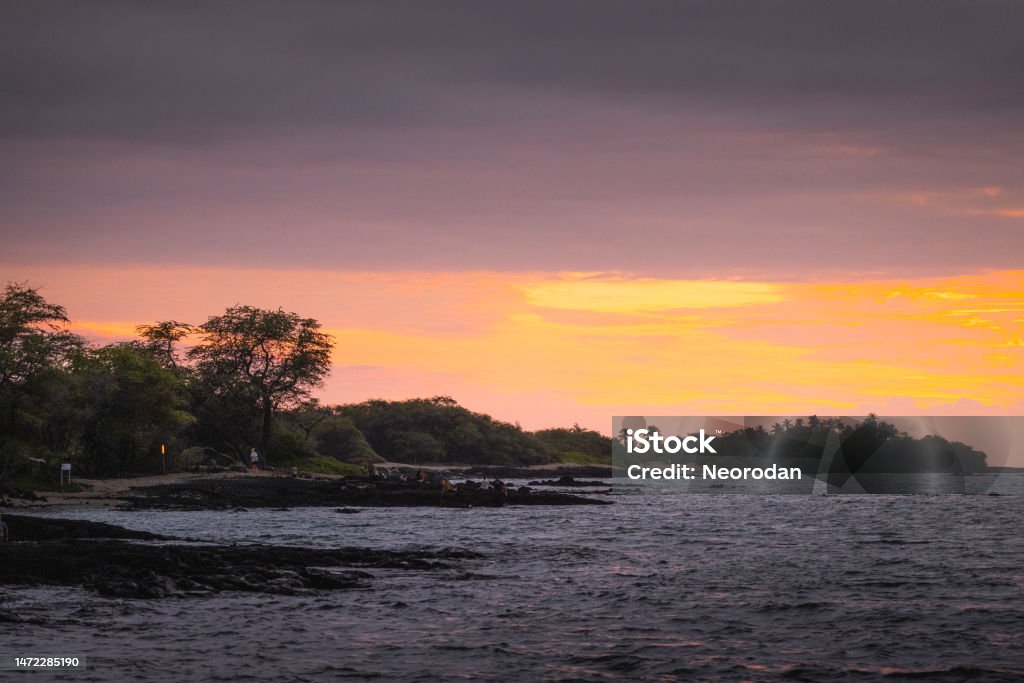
(813, 454)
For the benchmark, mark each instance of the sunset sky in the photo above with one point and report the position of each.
(553, 212)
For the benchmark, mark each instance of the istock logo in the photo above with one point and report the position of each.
(642, 441)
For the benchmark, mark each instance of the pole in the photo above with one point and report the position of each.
(163, 456)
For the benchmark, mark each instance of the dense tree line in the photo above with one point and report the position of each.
(432, 430)
(209, 392)
(440, 430)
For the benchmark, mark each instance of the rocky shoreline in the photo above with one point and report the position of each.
(118, 562)
(566, 481)
(284, 492)
(492, 471)
(122, 563)
(25, 528)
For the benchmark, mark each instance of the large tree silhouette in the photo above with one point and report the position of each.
(279, 355)
(271, 358)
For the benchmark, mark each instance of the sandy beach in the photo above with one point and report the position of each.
(112, 492)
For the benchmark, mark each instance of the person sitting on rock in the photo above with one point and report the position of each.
(446, 485)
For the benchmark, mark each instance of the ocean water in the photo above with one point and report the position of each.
(656, 587)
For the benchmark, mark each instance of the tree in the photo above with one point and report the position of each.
(35, 349)
(223, 408)
(129, 405)
(278, 356)
(306, 416)
(162, 340)
(33, 335)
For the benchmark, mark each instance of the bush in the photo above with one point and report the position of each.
(338, 438)
(577, 445)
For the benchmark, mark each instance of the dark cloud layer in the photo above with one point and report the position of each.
(196, 71)
(513, 134)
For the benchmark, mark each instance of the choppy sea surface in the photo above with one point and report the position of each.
(655, 587)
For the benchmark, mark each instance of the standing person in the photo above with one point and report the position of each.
(5, 534)
(254, 460)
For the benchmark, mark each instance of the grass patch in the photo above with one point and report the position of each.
(322, 464)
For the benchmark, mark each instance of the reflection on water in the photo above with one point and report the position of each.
(656, 587)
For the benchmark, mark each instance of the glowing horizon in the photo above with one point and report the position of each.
(549, 349)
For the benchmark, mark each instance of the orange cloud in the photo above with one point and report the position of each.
(104, 330)
(1009, 213)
